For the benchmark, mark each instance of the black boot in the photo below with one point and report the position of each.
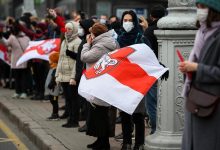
(70, 124)
(93, 144)
(103, 144)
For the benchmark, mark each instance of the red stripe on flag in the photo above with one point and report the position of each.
(133, 76)
(122, 53)
(119, 55)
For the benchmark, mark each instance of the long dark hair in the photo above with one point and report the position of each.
(213, 16)
(134, 18)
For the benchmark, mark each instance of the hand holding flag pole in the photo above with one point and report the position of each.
(180, 56)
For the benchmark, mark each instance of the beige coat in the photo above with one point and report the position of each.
(66, 65)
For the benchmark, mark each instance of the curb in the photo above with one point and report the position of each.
(30, 128)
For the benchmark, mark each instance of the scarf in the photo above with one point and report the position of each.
(202, 35)
(128, 38)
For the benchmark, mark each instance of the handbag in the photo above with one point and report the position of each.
(201, 103)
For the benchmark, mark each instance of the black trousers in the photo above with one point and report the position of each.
(98, 121)
(20, 76)
(127, 128)
(54, 102)
(40, 71)
(72, 102)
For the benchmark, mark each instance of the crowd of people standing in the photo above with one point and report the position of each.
(83, 42)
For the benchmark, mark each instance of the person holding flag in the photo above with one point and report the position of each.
(99, 43)
(132, 33)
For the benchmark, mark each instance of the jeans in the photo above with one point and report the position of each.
(151, 106)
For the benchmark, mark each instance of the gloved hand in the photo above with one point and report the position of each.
(71, 54)
(165, 76)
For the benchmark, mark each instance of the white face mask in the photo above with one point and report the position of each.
(81, 31)
(202, 14)
(102, 21)
(128, 26)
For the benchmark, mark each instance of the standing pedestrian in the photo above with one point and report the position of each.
(203, 73)
(17, 43)
(52, 87)
(132, 33)
(66, 71)
(99, 42)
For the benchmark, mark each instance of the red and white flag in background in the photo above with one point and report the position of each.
(122, 77)
(39, 50)
(3, 53)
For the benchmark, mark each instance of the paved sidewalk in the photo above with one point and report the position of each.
(30, 116)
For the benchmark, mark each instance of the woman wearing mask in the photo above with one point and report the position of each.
(131, 33)
(66, 71)
(99, 42)
(83, 31)
(203, 133)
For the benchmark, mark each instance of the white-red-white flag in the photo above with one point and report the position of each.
(40, 50)
(3, 53)
(122, 77)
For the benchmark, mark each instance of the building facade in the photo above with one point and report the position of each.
(116, 7)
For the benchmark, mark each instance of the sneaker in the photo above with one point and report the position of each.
(53, 117)
(16, 95)
(23, 96)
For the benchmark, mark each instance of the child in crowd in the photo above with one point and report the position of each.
(51, 85)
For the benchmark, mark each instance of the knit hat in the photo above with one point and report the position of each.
(157, 11)
(54, 57)
(98, 29)
(214, 4)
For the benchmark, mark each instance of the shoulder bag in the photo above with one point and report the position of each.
(201, 103)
